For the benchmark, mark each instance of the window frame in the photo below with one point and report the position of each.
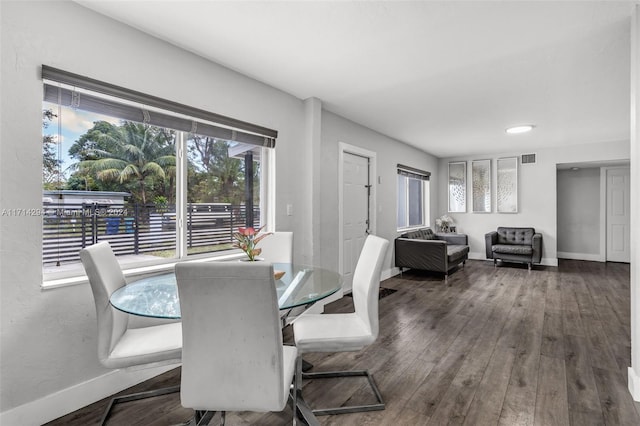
(409, 173)
(266, 196)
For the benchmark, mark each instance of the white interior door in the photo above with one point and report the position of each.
(618, 215)
(355, 213)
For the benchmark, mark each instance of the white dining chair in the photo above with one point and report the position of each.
(118, 345)
(349, 331)
(233, 358)
(277, 247)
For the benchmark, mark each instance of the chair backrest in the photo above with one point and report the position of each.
(277, 247)
(105, 277)
(231, 337)
(512, 235)
(366, 281)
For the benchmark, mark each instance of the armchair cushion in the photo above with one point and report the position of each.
(512, 249)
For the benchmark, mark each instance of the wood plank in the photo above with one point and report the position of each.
(551, 398)
(615, 400)
(487, 402)
(552, 335)
(519, 403)
(582, 394)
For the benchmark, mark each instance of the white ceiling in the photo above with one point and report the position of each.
(447, 77)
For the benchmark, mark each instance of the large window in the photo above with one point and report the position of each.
(157, 180)
(413, 197)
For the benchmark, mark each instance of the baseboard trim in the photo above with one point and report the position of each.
(476, 255)
(68, 400)
(581, 256)
(388, 273)
(634, 384)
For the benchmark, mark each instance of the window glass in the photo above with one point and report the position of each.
(223, 191)
(107, 179)
(413, 200)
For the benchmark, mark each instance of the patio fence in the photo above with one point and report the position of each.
(135, 229)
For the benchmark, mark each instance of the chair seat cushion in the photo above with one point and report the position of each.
(331, 333)
(456, 252)
(512, 249)
(157, 343)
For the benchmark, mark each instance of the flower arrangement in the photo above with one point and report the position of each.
(247, 239)
(444, 222)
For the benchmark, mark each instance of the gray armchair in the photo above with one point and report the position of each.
(514, 245)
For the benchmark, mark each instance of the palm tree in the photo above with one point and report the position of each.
(140, 153)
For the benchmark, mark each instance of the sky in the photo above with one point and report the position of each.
(74, 123)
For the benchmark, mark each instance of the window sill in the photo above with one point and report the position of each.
(412, 228)
(130, 273)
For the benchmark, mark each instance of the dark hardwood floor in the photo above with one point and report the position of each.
(496, 346)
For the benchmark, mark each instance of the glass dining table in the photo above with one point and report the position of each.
(298, 285)
(157, 296)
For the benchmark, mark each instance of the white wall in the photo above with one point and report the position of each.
(634, 370)
(579, 214)
(47, 338)
(537, 203)
(389, 153)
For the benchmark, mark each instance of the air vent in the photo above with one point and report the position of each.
(528, 159)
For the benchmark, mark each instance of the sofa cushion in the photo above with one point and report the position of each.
(512, 249)
(422, 234)
(456, 252)
(507, 235)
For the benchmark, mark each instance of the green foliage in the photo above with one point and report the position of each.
(213, 176)
(51, 176)
(140, 159)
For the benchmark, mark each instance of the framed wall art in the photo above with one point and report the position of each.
(458, 187)
(507, 188)
(481, 186)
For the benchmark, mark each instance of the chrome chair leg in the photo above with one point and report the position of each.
(135, 397)
(379, 405)
(203, 418)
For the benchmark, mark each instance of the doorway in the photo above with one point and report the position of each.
(593, 211)
(356, 206)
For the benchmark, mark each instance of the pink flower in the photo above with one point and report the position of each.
(247, 239)
(247, 232)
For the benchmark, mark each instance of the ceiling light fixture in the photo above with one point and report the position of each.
(523, 128)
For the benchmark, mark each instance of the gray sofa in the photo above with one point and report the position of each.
(423, 249)
(514, 245)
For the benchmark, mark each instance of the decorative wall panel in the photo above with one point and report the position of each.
(507, 193)
(481, 185)
(458, 187)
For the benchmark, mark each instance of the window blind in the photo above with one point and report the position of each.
(413, 173)
(199, 121)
